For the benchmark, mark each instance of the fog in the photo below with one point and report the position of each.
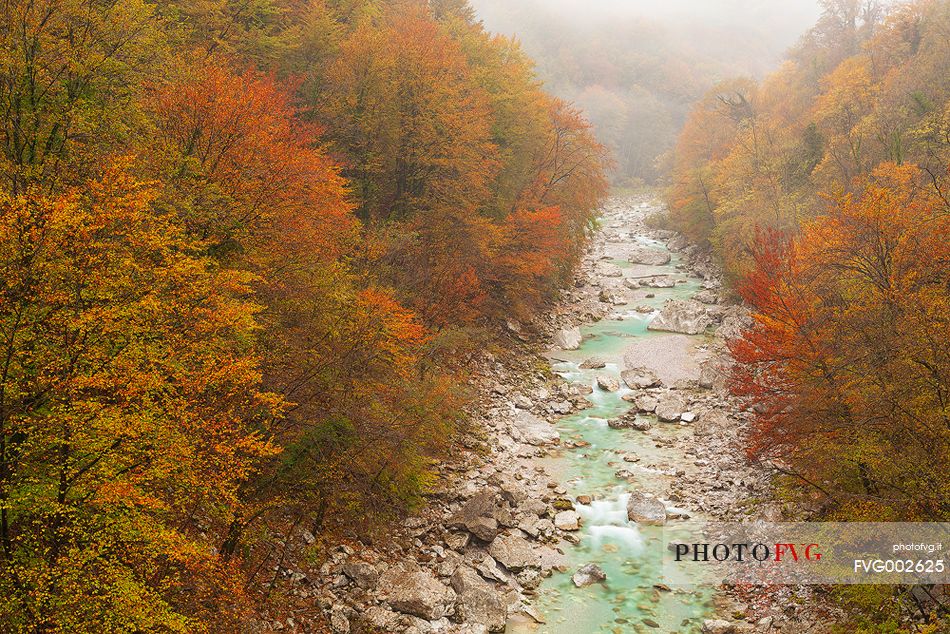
(788, 17)
(636, 66)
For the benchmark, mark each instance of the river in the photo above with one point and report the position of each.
(592, 454)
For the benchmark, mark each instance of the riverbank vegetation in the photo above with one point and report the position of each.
(246, 249)
(825, 192)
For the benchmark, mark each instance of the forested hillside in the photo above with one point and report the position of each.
(825, 192)
(636, 67)
(245, 251)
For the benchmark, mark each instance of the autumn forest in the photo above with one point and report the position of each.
(250, 252)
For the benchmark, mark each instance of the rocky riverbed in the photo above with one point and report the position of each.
(609, 417)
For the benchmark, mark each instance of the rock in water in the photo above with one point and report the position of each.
(593, 364)
(658, 282)
(650, 257)
(417, 593)
(568, 338)
(629, 421)
(567, 521)
(608, 383)
(639, 378)
(683, 316)
(646, 509)
(478, 602)
(588, 575)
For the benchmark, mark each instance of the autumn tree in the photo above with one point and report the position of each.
(403, 110)
(70, 76)
(130, 412)
(848, 361)
(798, 134)
(253, 183)
(248, 250)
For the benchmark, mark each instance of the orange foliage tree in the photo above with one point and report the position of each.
(848, 359)
(254, 322)
(253, 183)
(130, 412)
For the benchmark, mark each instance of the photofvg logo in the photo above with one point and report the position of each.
(745, 552)
(805, 553)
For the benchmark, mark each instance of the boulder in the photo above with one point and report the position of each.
(683, 316)
(650, 257)
(707, 297)
(512, 490)
(639, 378)
(735, 320)
(588, 575)
(363, 574)
(477, 601)
(476, 516)
(484, 528)
(646, 509)
(593, 364)
(677, 242)
(610, 270)
(718, 626)
(629, 421)
(514, 326)
(611, 297)
(379, 619)
(713, 422)
(530, 429)
(608, 383)
(514, 552)
(646, 403)
(489, 569)
(568, 338)
(709, 374)
(670, 408)
(521, 401)
(417, 592)
(658, 282)
(567, 521)
(339, 623)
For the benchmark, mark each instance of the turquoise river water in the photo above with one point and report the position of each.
(631, 555)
